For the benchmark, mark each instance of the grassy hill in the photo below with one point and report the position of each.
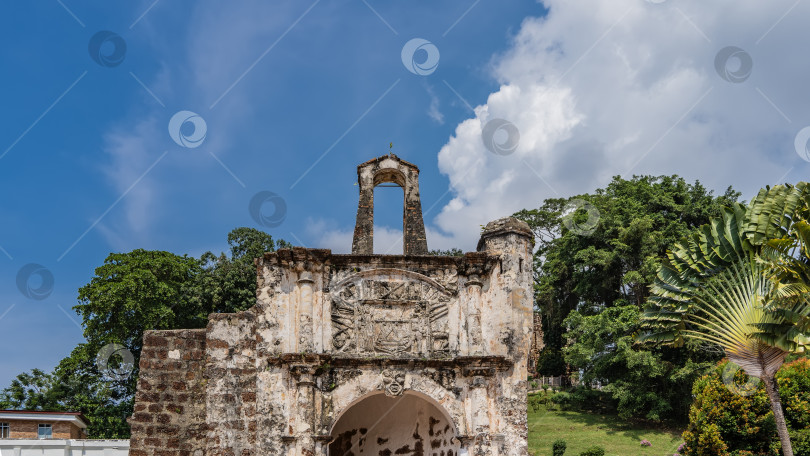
(583, 430)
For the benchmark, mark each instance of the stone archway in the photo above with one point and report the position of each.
(381, 425)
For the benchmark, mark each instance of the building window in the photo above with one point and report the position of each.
(4, 430)
(45, 431)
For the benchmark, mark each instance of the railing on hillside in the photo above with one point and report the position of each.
(555, 382)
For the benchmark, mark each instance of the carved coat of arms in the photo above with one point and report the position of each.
(390, 312)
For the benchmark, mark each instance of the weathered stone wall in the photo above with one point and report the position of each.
(231, 375)
(537, 344)
(330, 332)
(169, 416)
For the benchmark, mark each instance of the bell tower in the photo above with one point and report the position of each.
(389, 169)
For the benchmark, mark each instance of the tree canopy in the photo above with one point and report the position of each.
(129, 294)
(603, 249)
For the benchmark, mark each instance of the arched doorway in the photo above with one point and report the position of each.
(407, 425)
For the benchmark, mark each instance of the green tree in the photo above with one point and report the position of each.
(129, 294)
(140, 290)
(228, 284)
(29, 391)
(651, 384)
(75, 385)
(713, 287)
(451, 252)
(638, 219)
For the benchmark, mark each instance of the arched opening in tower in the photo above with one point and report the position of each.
(408, 425)
(389, 203)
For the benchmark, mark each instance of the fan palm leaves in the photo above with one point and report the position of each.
(722, 285)
(778, 221)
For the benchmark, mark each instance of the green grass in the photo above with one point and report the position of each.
(583, 430)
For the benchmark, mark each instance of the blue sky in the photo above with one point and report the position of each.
(285, 95)
(295, 94)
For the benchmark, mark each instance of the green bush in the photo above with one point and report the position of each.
(582, 398)
(794, 391)
(593, 451)
(558, 448)
(537, 401)
(590, 399)
(723, 422)
(644, 382)
(801, 442)
(562, 400)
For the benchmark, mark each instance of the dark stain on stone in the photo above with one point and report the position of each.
(433, 422)
(508, 339)
(342, 445)
(381, 441)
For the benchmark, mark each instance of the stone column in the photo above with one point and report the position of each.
(363, 242)
(473, 316)
(305, 409)
(480, 428)
(480, 404)
(305, 309)
(415, 242)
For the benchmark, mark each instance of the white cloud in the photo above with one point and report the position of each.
(131, 150)
(605, 87)
(433, 110)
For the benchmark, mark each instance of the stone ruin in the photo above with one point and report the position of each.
(354, 354)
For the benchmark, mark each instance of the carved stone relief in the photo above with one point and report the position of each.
(448, 278)
(393, 382)
(390, 312)
(444, 377)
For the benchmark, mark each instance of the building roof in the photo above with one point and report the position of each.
(36, 415)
